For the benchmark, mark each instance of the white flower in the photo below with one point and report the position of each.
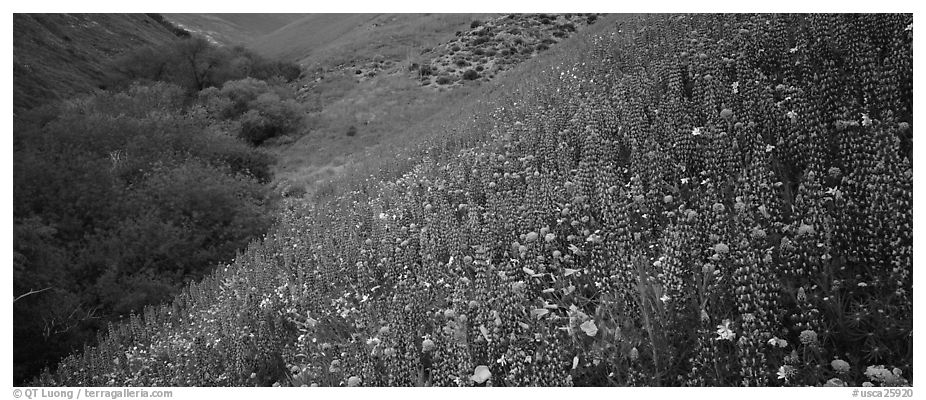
(866, 121)
(778, 342)
(769, 148)
(724, 332)
(909, 28)
(736, 87)
(792, 115)
(696, 131)
(665, 298)
(481, 374)
(589, 328)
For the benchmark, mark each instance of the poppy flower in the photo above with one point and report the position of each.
(589, 328)
(481, 374)
(724, 332)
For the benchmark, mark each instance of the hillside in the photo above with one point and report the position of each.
(673, 200)
(367, 89)
(56, 56)
(330, 40)
(232, 29)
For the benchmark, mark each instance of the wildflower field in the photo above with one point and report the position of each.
(706, 200)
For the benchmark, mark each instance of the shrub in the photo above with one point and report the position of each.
(475, 24)
(443, 80)
(256, 106)
(425, 70)
(470, 75)
(195, 64)
(120, 198)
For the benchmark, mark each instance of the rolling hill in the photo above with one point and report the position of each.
(329, 40)
(232, 29)
(363, 84)
(56, 56)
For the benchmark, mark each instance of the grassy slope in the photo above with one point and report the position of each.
(56, 56)
(382, 108)
(327, 40)
(456, 116)
(389, 109)
(232, 29)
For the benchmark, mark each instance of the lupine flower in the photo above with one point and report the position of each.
(835, 382)
(721, 248)
(840, 366)
(808, 337)
(427, 345)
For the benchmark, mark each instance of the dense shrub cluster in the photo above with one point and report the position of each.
(698, 200)
(257, 110)
(119, 200)
(195, 64)
(496, 45)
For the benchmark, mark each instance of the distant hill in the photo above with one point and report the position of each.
(56, 56)
(232, 29)
(331, 39)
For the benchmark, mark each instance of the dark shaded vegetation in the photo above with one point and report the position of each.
(195, 64)
(123, 196)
